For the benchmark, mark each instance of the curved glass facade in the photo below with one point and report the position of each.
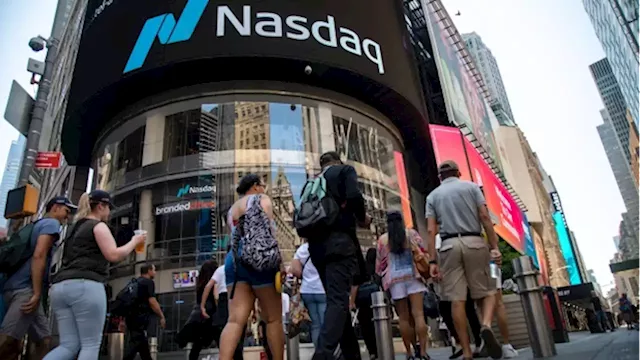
(173, 171)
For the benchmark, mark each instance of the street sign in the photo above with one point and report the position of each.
(48, 160)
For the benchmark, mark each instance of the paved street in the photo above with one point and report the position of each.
(619, 345)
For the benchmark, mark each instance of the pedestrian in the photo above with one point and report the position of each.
(198, 330)
(601, 316)
(400, 276)
(217, 286)
(137, 321)
(78, 294)
(361, 300)
(333, 252)
(627, 311)
(508, 351)
(472, 320)
(245, 283)
(23, 290)
(456, 209)
(311, 290)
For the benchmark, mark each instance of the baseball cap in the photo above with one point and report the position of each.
(448, 165)
(101, 196)
(61, 200)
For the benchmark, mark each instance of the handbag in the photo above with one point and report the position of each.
(421, 260)
(431, 304)
(298, 314)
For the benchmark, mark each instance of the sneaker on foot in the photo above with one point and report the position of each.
(456, 352)
(491, 343)
(508, 352)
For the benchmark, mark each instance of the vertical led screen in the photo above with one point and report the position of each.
(567, 250)
(465, 105)
(404, 189)
(529, 245)
(449, 144)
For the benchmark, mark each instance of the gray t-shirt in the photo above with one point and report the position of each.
(454, 204)
(22, 278)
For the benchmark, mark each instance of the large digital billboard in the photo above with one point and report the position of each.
(464, 102)
(529, 243)
(566, 244)
(130, 50)
(449, 144)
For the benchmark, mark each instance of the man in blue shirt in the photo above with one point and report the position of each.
(24, 288)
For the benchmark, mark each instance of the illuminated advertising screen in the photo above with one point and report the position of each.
(567, 249)
(464, 102)
(449, 144)
(404, 189)
(529, 244)
(184, 279)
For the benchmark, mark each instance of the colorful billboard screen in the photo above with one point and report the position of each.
(464, 102)
(529, 245)
(567, 250)
(449, 144)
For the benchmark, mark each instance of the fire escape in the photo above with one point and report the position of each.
(416, 20)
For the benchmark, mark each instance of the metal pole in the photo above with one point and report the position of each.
(153, 347)
(39, 109)
(382, 322)
(293, 344)
(535, 315)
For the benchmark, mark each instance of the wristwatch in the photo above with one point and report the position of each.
(433, 262)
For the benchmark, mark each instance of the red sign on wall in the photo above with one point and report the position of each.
(48, 160)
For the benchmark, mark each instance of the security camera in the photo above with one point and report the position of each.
(293, 107)
(308, 70)
(37, 43)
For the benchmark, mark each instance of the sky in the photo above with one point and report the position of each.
(544, 49)
(20, 20)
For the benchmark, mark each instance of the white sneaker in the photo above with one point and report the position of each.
(508, 352)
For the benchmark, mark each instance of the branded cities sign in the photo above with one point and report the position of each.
(267, 24)
(184, 206)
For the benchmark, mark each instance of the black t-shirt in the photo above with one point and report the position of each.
(139, 316)
(597, 306)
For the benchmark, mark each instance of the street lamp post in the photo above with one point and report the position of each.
(40, 107)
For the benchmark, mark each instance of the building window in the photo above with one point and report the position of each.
(181, 134)
(129, 151)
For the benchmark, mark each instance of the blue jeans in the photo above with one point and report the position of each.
(81, 307)
(316, 304)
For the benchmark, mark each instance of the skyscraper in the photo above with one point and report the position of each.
(11, 172)
(616, 25)
(488, 66)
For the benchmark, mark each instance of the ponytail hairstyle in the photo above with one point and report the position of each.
(397, 234)
(84, 207)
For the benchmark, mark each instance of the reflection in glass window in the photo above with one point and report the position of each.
(129, 151)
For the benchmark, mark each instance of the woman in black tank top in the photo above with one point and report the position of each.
(78, 295)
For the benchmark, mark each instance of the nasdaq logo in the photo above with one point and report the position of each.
(167, 30)
(266, 24)
(188, 189)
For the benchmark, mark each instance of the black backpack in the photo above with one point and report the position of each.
(126, 299)
(16, 250)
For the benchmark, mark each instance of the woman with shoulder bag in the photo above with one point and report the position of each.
(78, 295)
(398, 251)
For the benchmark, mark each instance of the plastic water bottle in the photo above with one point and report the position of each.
(495, 270)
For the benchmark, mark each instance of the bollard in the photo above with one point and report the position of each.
(382, 322)
(116, 345)
(187, 350)
(153, 347)
(292, 344)
(530, 291)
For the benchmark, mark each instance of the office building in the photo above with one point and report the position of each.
(621, 169)
(616, 24)
(11, 173)
(169, 136)
(487, 65)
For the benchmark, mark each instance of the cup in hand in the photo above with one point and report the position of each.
(140, 246)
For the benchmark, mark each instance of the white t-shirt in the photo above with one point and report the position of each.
(219, 278)
(285, 304)
(311, 283)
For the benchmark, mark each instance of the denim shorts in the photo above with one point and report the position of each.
(255, 279)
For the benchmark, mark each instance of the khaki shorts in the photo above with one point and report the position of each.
(464, 264)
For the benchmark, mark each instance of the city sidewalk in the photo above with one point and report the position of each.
(619, 345)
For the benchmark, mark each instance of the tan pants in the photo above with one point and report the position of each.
(464, 264)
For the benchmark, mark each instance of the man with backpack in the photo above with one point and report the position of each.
(137, 317)
(334, 247)
(25, 260)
